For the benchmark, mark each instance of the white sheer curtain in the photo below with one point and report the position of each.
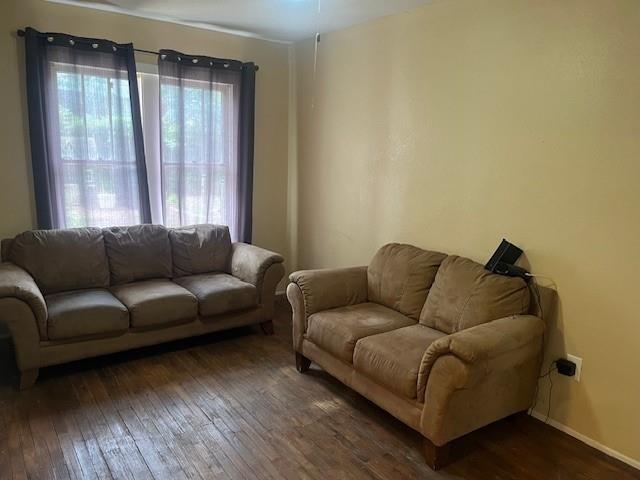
(199, 110)
(96, 170)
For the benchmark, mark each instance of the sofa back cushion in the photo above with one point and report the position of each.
(464, 294)
(138, 252)
(200, 249)
(399, 277)
(60, 260)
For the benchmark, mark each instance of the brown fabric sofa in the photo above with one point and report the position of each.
(78, 293)
(437, 341)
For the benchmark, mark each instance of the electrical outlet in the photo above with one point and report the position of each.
(578, 362)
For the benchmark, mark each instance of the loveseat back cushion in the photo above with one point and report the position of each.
(200, 249)
(399, 277)
(464, 295)
(138, 252)
(60, 260)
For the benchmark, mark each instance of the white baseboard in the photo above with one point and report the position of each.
(589, 441)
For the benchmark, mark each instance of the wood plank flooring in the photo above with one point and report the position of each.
(232, 405)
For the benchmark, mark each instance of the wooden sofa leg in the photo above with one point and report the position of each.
(436, 457)
(28, 378)
(302, 363)
(267, 327)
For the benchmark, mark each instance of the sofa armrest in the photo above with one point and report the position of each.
(250, 263)
(473, 377)
(311, 291)
(17, 283)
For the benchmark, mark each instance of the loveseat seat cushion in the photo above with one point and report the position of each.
(62, 260)
(200, 249)
(84, 313)
(154, 303)
(337, 330)
(138, 252)
(219, 293)
(464, 294)
(399, 277)
(392, 359)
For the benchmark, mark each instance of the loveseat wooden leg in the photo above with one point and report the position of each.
(267, 327)
(436, 457)
(28, 378)
(302, 363)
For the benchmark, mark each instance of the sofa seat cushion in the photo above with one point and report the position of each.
(337, 330)
(392, 359)
(219, 293)
(84, 313)
(154, 303)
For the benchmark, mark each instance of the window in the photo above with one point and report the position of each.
(114, 144)
(189, 168)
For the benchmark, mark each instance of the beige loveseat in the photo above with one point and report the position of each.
(437, 341)
(78, 293)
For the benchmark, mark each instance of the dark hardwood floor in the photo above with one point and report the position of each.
(232, 405)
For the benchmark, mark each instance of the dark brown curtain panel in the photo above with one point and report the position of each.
(86, 132)
(206, 141)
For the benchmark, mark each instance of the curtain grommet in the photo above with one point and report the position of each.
(49, 39)
(226, 65)
(163, 56)
(72, 42)
(95, 45)
(195, 60)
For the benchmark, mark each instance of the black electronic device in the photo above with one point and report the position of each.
(566, 367)
(503, 261)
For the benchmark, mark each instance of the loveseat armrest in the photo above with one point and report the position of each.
(331, 288)
(473, 377)
(312, 291)
(17, 283)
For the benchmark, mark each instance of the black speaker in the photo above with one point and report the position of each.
(503, 260)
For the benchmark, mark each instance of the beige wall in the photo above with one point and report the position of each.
(272, 83)
(447, 127)
(464, 121)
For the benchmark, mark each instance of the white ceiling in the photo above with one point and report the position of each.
(284, 20)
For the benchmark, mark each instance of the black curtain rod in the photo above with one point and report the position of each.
(21, 33)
